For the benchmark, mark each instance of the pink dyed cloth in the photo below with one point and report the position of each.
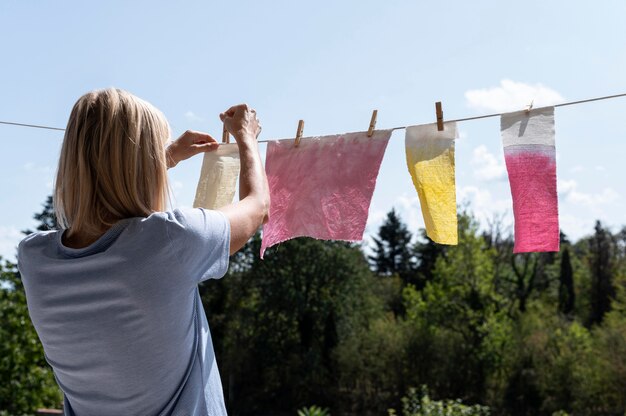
(323, 187)
(530, 157)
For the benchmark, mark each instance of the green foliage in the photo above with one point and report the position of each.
(461, 317)
(485, 326)
(602, 371)
(567, 295)
(313, 411)
(420, 404)
(602, 262)
(26, 380)
(392, 249)
(426, 252)
(47, 218)
(542, 363)
(372, 365)
(291, 311)
(534, 334)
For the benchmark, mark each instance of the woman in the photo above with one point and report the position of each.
(113, 295)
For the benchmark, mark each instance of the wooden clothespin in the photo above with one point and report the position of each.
(299, 133)
(529, 107)
(225, 135)
(370, 131)
(439, 113)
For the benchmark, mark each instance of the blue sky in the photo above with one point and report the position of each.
(330, 63)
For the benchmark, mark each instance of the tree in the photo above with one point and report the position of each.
(47, 218)
(459, 319)
(601, 262)
(278, 322)
(567, 296)
(499, 238)
(526, 269)
(392, 251)
(26, 380)
(426, 253)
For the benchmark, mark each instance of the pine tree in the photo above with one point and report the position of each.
(602, 252)
(392, 251)
(567, 296)
(46, 218)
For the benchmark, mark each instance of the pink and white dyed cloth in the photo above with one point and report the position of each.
(529, 152)
(323, 187)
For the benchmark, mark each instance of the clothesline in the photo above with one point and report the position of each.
(11, 123)
(587, 100)
(556, 105)
(607, 97)
(325, 206)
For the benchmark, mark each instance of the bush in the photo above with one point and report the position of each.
(420, 404)
(313, 411)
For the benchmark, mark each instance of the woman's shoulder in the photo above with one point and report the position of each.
(180, 217)
(34, 244)
(36, 238)
(196, 227)
(191, 219)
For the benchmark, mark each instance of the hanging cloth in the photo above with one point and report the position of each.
(218, 177)
(530, 156)
(323, 187)
(430, 159)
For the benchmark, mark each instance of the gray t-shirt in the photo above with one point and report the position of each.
(121, 320)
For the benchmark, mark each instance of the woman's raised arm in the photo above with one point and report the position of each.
(252, 210)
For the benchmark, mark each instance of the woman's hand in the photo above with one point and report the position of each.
(247, 215)
(190, 143)
(241, 121)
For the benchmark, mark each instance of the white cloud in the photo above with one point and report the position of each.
(33, 167)
(511, 96)
(483, 204)
(45, 173)
(486, 166)
(486, 206)
(575, 227)
(192, 117)
(577, 169)
(374, 221)
(9, 238)
(568, 190)
(566, 186)
(408, 208)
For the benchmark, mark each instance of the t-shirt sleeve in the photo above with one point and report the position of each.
(205, 242)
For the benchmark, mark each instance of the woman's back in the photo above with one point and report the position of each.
(121, 320)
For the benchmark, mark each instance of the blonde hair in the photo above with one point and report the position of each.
(112, 164)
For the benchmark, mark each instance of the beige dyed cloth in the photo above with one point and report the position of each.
(218, 177)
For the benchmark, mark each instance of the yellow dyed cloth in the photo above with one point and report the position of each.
(430, 159)
(218, 177)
